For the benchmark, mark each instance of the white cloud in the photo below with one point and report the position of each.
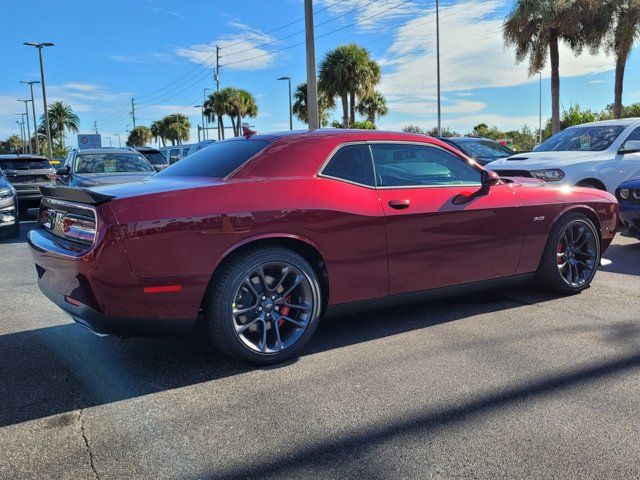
(465, 123)
(369, 14)
(473, 54)
(250, 49)
(597, 81)
(425, 108)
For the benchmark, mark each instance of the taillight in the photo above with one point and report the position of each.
(68, 220)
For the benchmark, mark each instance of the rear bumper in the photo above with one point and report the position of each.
(102, 324)
(98, 290)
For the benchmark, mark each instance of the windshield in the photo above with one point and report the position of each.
(484, 149)
(112, 163)
(24, 164)
(155, 158)
(585, 139)
(217, 160)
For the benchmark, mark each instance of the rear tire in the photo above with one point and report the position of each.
(571, 255)
(263, 306)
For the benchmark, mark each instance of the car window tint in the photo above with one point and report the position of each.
(635, 135)
(218, 160)
(351, 163)
(155, 158)
(174, 155)
(586, 139)
(404, 165)
(24, 163)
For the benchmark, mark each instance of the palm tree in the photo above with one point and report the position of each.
(217, 106)
(139, 137)
(536, 27)
(175, 127)
(325, 103)
(373, 106)
(156, 131)
(348, 72)
(61, 118)
(624, 29)
(241, 104)
(14, 143)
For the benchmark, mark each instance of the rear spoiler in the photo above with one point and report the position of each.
(74, 194)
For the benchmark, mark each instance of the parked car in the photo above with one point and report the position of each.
(99, 166)
(597, 155)
(196, 147)
(482, 150)
(628, 194)
(175, 153)
(259, 236)
(155, 158)
(27, 173)
(9, 223)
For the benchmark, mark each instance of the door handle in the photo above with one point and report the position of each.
(399, 204)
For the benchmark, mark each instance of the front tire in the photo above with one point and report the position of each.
(571, 255)
(264, 305)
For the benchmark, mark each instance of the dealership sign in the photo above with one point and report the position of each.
(91, 140)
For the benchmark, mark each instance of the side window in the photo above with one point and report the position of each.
(174, 155)
(351, 163)
(406, 165)
(635, 135)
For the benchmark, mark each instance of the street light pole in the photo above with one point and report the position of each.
(312, 86)
(290, 107)
(540, 117)
(19, 123)
(119, 141)
(40, 46)
(26, 110)
(33, 111)
(201, 107)
(438, 65)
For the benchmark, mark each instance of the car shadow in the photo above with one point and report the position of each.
(25, 226)
(58, 369)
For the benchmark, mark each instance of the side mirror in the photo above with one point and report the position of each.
(489, 178)
(630, 146)
(62, 171)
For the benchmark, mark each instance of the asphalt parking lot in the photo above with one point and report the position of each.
(512, 383)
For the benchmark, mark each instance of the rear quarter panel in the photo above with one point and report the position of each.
(188, 232)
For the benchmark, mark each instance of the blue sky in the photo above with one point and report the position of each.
(161, 53)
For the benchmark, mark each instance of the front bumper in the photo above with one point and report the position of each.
(630, 217)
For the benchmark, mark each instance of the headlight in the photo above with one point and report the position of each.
(551, 175)
(7, 193)
(624, 193)
(636, 194)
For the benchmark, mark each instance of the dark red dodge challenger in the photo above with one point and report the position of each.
(259, 236)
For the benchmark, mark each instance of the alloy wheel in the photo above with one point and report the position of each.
(577, 253)
(272, 307)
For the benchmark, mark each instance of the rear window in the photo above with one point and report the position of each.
(111, 163)
(24, 164)
(155, 158)
(217, 160)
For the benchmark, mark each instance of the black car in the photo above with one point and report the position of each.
(9, 224)
(156, 159)
(27, 173)
(102, 166)
(482, 150)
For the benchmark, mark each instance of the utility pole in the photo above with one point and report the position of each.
(217, 79)
(133, 112)
(40, 46)
(95, 126)
(438, 65)
(33, 111)
(312, 86)
(26, 110)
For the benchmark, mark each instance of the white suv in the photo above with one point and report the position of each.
(598, 155)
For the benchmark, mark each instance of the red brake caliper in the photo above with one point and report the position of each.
(284, 311)
(560, 250)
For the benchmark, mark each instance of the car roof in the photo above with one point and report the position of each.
(105, 150)
(9, 156)
(620, 121)
(465, 139)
